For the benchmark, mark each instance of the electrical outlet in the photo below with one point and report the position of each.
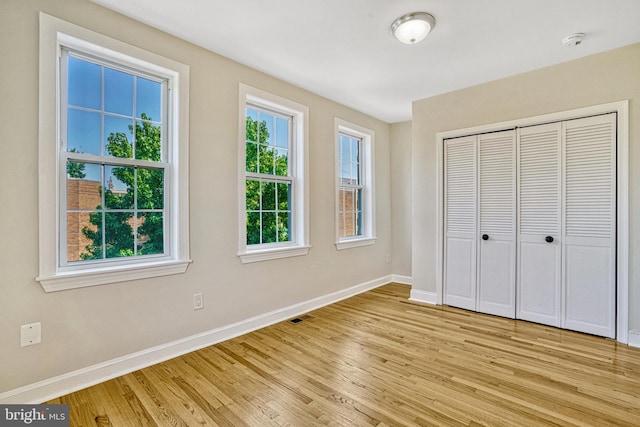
(198, 301)
(30, 334)
(388, 257)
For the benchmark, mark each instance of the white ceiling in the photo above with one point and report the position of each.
(344, 50)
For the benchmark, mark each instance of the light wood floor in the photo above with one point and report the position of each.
(378, 359)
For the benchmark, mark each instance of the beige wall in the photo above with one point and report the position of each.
(86, 326)
(400, 144)
(598, 79)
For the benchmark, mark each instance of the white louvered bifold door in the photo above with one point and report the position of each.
(539, 221)
(460, 187)
(497, 206)
(590, 225)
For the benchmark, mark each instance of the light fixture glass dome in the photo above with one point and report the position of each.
(413, 27)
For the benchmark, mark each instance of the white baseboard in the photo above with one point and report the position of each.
(60, 385)
(403, 280)
(423, 296)
(634, 338)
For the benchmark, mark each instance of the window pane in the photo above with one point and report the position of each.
(262, 134)
(283, 196)
(148, 99)
(150, 235)
(269, 232)
(118, 184)
(345, 149)
(253, 228)
(268, 196)
(345, 172)
(118, 136)
(252, 125)
(118, 234)
(83, 186)
(266, 160)
(84, 241)
(355, 150)
(282, 162)
(282, 133)
(150, 188)
(283, 226)
(84, 84)
(252, 157)
(118, 92)
(350, 224)
(266, 131)
(349, 200)
(83, 131)
(253, 195)
(148, 141)
(92, 232)
(355, 173)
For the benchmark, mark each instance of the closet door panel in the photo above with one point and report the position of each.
(590, 225)
(460, 268)
(497, 220)
(539, 221)
(460, 273)
(496, 293)
(539, 290)
(589, 283)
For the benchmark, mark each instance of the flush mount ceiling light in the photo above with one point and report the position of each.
(413, 27)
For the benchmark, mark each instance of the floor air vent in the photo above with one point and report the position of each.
(301, 318)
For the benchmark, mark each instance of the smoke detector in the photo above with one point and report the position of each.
(573, 39)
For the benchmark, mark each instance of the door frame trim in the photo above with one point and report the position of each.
(622, 199)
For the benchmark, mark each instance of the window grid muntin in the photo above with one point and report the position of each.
(271, 178)
(105, 160)
(351, 186)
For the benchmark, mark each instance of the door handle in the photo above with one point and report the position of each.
(548, 239)
(485, 237)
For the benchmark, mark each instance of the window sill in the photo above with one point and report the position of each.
(101, 276)
(355, 243)
(272, 253)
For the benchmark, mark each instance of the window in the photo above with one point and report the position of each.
(350, 186)
(354, 194)
(112, 128)
(119, 137)
(272, 161)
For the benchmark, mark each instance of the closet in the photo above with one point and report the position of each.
(529, 223)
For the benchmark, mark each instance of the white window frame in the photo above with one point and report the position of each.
(55, 273)
(298, 165)
(367, 161)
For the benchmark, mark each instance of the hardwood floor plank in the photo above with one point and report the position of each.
(162, 411)
(138, 415)
(378, 359)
